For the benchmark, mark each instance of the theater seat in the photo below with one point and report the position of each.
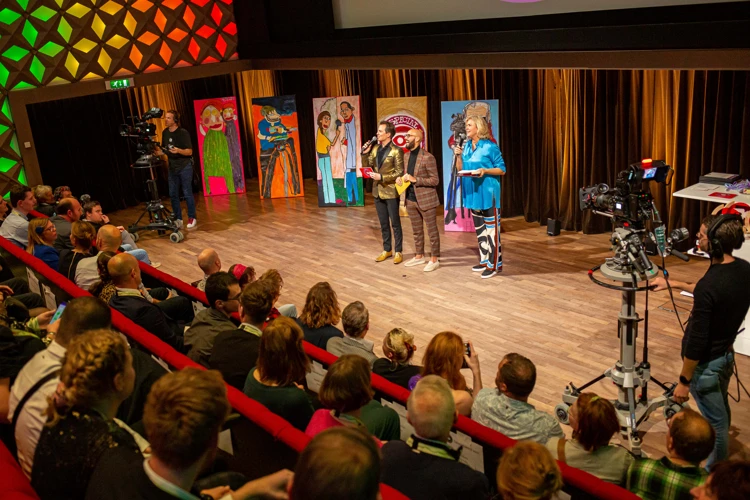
(14, 485)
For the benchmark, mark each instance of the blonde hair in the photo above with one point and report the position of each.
(89, 367)
(398, 346)
(84, 233)
(483, 131)
(528, 472)
(35, 235)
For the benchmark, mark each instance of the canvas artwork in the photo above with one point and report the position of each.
(338, 139)
(276, 139)
(405, 113)
(453, 115)
(219, 146)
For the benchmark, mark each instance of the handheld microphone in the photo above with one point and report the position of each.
(369, 143)
(461, 140)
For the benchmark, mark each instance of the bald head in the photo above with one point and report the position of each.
(418, 134)
(70, 209)
(414, 139)
(209, 262)
(431, 409)
(108, 239)
(690, 437)
(123, 268)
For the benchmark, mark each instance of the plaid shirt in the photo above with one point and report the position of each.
(664, 480)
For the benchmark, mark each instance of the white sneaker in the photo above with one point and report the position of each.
(155, 264)
(431, 266)
(192, 223)
(414, 262)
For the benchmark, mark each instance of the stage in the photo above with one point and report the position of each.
(543, 305)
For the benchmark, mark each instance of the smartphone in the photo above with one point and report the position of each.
(58, 313)
(467, 349)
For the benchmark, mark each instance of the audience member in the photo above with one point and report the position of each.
(68, 211)
(235, 352)
(92, 212)
(42, 235)
(45, 200)
(80, 315)
(356, 322)
(104, 289)
(320, 314)
(528, 471)
(506, 407)
(594, 422)
(729, 480)
(126, 276)
(346, 395)
(244, 274)
(426, 466)
(445, 356)
(690, 440)
(337, 464)
(183, 417)
(399, 349)
(223, 294)
(276, 381)
(62, 192)
(210, 263)
(276, 282)
(4, 210)
(97, 375)
(15, 227)
(82, 236)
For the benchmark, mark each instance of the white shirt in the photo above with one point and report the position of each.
(33, 416)
(87, 273)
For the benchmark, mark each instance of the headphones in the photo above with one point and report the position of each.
(716, 250)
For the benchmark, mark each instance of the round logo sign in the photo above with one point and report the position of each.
(403, 124)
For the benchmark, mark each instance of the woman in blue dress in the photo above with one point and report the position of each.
(481, 192)
(42, 236)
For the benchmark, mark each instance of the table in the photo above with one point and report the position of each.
(701, 191)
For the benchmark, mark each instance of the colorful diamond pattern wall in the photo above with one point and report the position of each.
(53, 42)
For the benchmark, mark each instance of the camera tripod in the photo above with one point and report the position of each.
(159, 217)
(627, 374)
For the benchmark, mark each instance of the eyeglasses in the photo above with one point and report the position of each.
(236, 297)
(50, 229)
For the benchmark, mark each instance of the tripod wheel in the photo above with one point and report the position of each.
(562, 412)
(136, 236)
(176, 237)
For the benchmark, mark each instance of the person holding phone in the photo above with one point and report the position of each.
(481, 192)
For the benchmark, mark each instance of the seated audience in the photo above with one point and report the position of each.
(183, 417)
(82, 236)
(445, 356)
(97, 375)
(274, 279)
(92, 213)
(426, 466)
(42, 235)
(690, 440)
(528, 471)
(346, 395)
(62, 192)
(276, 381)
(4, 210)
(15, 227)
(244, 274)
(104, 289)
(337, 464)
(729, 480)
(223, 294)
(80, 315)
(235, 352)
(594, 422)
(399, 349)
(210, 263)
(126, 276)
(506, 407)
(45, 200)
(356, 321)
(68, 211)
(320, 314)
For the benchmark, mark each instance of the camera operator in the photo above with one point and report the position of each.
(720, 304)
(179, 150)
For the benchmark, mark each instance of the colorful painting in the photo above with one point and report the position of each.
(338, 138)
(219, 146)
(453, 115)
(276, 139)
(405, 113)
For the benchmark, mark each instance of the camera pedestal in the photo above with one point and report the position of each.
(159, 217)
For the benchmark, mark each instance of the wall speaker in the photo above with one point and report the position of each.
(553, 227)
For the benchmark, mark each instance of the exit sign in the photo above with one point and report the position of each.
(122, 83)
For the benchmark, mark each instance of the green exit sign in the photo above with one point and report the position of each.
(122, 83)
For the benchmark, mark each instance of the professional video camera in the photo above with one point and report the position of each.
(142, 132)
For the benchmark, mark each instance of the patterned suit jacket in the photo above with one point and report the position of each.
(426, 173)
(391, 169)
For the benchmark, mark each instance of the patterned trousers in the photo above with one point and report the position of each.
(419, 219)
(487, 225)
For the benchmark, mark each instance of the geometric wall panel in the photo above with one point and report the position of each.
(54, 42)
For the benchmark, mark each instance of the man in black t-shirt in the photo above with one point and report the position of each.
(176, 144)
(720, 304)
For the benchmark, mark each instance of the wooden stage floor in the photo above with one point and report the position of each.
(542, 306)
